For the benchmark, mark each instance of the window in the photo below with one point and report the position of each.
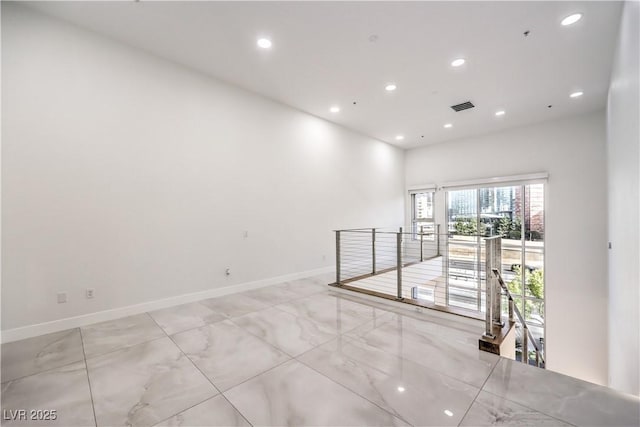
(422, 218)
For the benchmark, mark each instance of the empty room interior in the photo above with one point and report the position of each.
(320, 213)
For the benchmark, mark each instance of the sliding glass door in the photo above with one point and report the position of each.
(464, 252)
(517, 214)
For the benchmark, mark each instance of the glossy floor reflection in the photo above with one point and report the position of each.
(296, 353)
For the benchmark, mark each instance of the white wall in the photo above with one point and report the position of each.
(623, 139)
(572, 152)
(137, 177)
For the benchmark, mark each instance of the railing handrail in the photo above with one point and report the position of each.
(517, 311)
(409, 233)
(363, 229)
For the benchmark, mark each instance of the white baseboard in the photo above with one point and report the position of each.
(23, 332)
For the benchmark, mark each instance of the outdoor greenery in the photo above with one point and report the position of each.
(535, 284)
(505, 227)
(468, 226)
(510, 229)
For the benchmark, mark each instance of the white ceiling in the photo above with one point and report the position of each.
(322, 56)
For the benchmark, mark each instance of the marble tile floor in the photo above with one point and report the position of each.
(296, 353)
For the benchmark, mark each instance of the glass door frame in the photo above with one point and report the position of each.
(524, 187)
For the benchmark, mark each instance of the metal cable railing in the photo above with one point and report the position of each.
(464, 278)
(497, 289)
(398, 264)
(526, 336)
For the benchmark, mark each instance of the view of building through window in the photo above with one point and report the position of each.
(423, 214)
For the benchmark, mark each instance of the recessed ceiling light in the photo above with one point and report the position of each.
(400, 389)
(448, 413)
(571, 19)
(448, 125)
(576, 94)
(399, 137)
(264, 43)
(390, 87)
(500, 113)
(334, 109)
(457, 62)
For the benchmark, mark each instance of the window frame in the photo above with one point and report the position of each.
(415, 221)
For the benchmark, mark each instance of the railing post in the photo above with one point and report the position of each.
(399, 262)
(494, 260)
(337, 257)
(510, 310)
(491, 292)
(373, 251)
(525, 344)
(488, 325)
(438, 238)
(421, 245)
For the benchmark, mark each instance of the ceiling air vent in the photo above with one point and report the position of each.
(463, 106)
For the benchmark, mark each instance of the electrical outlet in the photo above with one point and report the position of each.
(62, 297)
(246, 234)
(227, 271)
(89, 293)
